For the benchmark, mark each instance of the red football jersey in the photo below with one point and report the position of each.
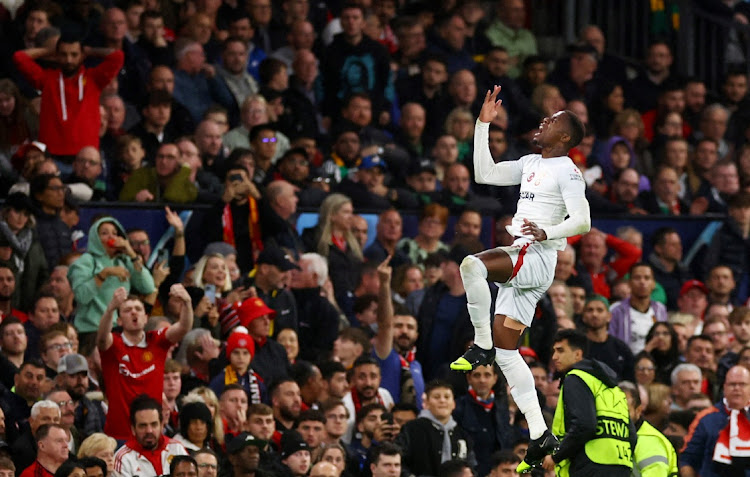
(131, 369)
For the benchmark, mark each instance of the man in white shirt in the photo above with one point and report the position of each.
(552, 188)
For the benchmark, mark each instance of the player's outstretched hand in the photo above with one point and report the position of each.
(490, 106)
(530, 228)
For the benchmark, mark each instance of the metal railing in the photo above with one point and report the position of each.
(703, 41)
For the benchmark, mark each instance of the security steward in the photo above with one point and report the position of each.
(654, 455)
(591, 419)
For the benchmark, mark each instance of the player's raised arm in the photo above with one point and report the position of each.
(485, 169)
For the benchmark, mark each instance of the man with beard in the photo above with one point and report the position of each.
(601, 345)
(394, 345)
(147, 440)
(27, 390)
(365, 379)
(73, 373)
(287, 403)
(12, 348)
(244, 455)
(71, 121)
(369, 419)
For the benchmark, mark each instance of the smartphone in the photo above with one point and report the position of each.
(235, 178)
(210, 292)
(163, 255)
(387, 417)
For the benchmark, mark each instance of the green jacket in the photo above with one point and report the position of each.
(91, 301)
(179, 189)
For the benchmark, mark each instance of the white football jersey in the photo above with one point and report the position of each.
(546, 185)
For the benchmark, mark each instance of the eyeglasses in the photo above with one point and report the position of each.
(140, 242)
(64, 403)
(206, 465)
(324, 180)
(643, 369)
(266, 140)
(59, 346)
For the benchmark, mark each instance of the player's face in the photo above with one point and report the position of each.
(551, 130)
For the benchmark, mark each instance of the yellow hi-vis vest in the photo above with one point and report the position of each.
(611, 444)
(654, 454)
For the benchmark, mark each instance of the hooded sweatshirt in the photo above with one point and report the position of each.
(92, 300)
(608, 170)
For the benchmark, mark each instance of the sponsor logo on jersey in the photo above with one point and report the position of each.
(526, 195)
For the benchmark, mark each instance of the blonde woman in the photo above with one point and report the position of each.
(460, 124)
(205, 395)
(212, 270)
(629, 125)
(99, 445)
(254, 111)
(333, 239)
(547, 100)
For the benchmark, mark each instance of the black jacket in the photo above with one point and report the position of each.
(23, 451)
(54, 237)
(490, 431)
(581, 422)
(462, 331)
(729, 248)
(270, 361)
(343, 267)
(89, 417)
(422, 441)
(318, 323)
(277, 231)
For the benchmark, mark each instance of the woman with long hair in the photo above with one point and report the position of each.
(334, 239)
(205, 395)
(662, 344)
(18, 124)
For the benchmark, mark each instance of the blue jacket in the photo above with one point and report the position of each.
(699, 445)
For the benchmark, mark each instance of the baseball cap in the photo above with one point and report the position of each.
(243, 440)
(276, 256)
(72, 364)
(596, 297)
(528, 352)
(253, 308)
(292, 442)
(421, 165)
(239, 339)
(372, 161)
(690, 284)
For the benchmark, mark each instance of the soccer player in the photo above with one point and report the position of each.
(552, 188)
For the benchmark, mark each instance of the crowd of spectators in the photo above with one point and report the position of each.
(275, 353)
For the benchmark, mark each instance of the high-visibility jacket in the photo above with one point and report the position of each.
(654, 455)
(611, 445)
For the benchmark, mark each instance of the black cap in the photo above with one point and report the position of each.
(292, 442)
(421, 165)
(19, 201)
(243, 440)
(276, 256)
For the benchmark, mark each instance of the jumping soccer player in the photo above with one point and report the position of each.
(552, 188)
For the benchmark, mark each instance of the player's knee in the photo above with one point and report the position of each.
(473, 267)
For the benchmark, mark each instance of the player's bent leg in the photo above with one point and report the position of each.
(522, 388)
(474, 273)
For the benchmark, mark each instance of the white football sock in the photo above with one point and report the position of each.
(521, 382)
(474, 276)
